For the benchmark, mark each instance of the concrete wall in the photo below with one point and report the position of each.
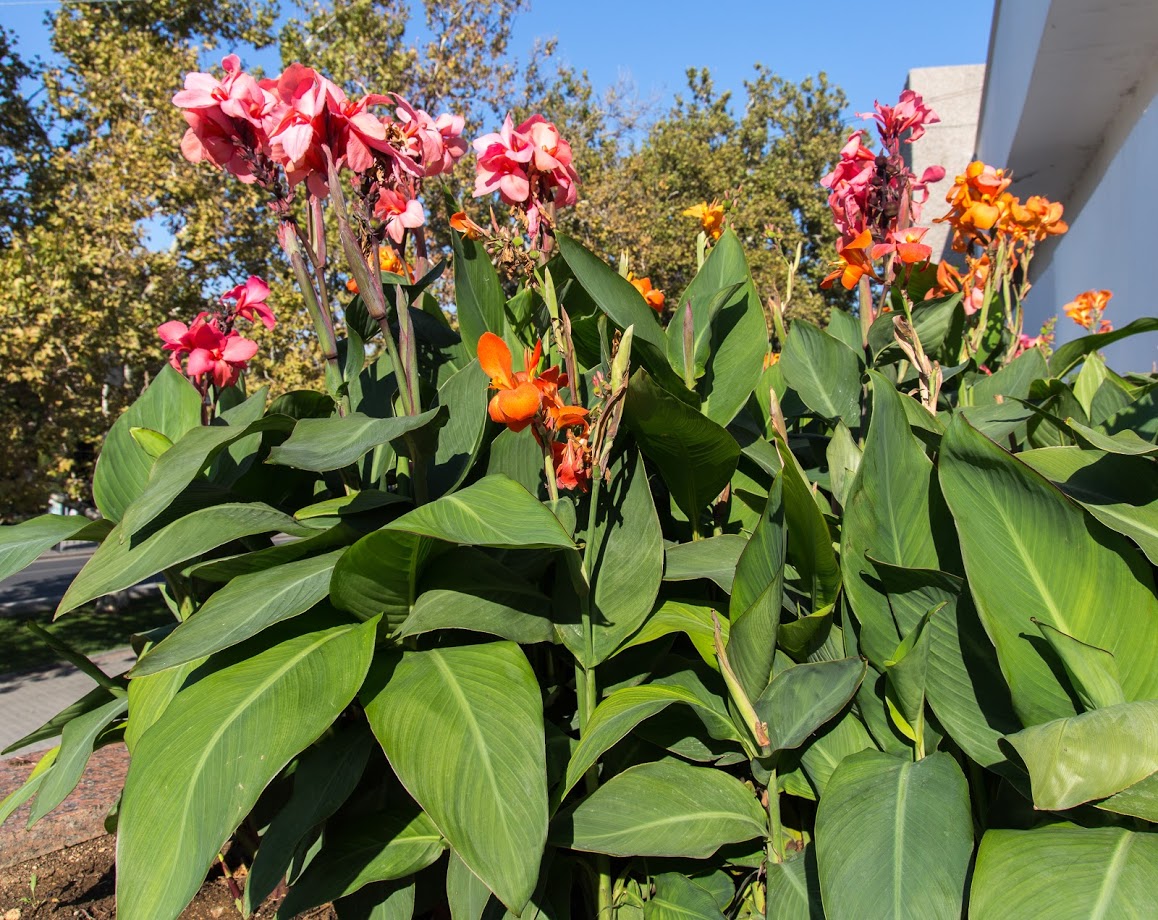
(1110, 245)
(955, 95)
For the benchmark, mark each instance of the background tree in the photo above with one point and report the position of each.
(765, 163)
(108, 231)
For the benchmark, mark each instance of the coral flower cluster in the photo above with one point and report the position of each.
(985, 216)
(289, 128)
(875, 198)
(529, 166)
(1086, 310)
(210, 350)
(529, 397)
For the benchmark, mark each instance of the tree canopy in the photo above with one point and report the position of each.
(106, 231)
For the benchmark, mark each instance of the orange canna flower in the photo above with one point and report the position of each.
(388, 261)
(1086, 310)
(854, 262)
(1036, 219)
(653, 297)
(518, 399)
(464, 225)
(710, 216)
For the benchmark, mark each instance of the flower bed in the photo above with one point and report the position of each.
(609, 601)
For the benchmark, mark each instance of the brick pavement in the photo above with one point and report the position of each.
(27, 701)
(30, 699)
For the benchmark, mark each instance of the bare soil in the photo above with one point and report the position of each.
(80, 881)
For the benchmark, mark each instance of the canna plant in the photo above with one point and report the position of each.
(599, 603)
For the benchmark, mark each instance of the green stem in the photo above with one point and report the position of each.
(775, 828)
(586, 690)
(323, 325)
(549, 467)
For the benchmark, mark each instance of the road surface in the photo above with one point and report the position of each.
(42, 584)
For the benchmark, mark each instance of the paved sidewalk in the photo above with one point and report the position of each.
(30, 699)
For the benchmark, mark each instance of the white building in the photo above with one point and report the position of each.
(1069, 105)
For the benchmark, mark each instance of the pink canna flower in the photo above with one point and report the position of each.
(223, 359)
(909, 114)
(551, 157)
(249, 301)
(437, 143)
(398, 213)
(502, 164)
(180, 339)
(209, 354)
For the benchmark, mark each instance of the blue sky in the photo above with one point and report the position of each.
(654, 42)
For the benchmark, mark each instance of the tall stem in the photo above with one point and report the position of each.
(587, 692)
(322, 319)
(775, 827)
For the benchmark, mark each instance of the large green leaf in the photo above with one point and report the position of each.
(894, 838)
(466, 895)
(118, 564)
(794, 888)
(714, 558)
(150, 696)
(463, 729)
(322, 444)
(615, 297)
(192, 453)
(618, 714)
(1124, 442)
(1012, 380)
(201, 768)
(76, 746)
(694, 455)
(1030, 553)
(626, 561)
(495, 511)
(470, 590)
(1139, 800)
(836, 741)
(1089, 756)
(1069, 354)
(21, 544)
(757, 597)
(824, 371)
(679, 898)
(464, 394)
(241, 609)
(1120, 491)
(810, 546)
(667, 808)
(1066, 872)
(964, 684)
(692, 619)
(738, 331)
(890, 516)
(933, 320)
(699, 349)
(171, 406)
(478, 293)
(376, 847)
(96, 698)
(379, 575)
(803, 698)
(325, 776)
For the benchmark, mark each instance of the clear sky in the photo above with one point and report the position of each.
(866, 50)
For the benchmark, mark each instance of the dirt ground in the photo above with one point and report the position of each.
(79, 882)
